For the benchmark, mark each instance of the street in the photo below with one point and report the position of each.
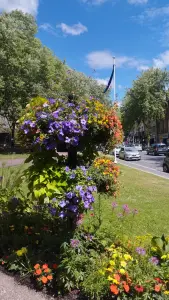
(148, 163)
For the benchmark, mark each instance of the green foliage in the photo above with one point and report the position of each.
(161, 245)
(146, 100)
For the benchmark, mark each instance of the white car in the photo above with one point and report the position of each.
(138, 147)
(129, 153)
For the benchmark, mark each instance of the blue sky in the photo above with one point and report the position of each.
(87, 33)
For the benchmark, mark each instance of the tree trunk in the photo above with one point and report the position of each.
(13, 135)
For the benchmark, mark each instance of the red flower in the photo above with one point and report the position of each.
(158, 280)
(139, 288)
(157, 288)
(55, 266)
(114, 289)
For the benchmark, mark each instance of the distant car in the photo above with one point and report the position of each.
(138, 147)
(157, 149)
(129, 153)
(166, 163)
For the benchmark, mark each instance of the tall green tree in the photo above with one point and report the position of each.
(146, 100)
(19, 57)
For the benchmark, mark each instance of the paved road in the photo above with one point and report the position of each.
(11, 162)
(148, 163)
(10, 290)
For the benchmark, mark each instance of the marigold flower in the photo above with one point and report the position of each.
(45, 266)
(37, 266)
(126, 287)
(114, 289)
(44, 279)
(47, 270)
(49, 277)
(38, 272)
(117, 277)
(157, 288)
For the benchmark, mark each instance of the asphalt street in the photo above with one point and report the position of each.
(148, 163)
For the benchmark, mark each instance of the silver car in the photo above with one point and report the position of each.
(129, 153)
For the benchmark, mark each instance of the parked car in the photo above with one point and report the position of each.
(157, 149)
(166, 163)
(138, 147)
(129, 153)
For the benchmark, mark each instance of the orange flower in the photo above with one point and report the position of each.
(47, 270)
(55, 266)
(157, 288)
(126, 287)
(37, 266)
(114, 289)
(117, 277)
(49, 277)
(38, 272)
(45, 266)
(44, 279)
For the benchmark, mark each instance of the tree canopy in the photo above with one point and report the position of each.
(146, 100)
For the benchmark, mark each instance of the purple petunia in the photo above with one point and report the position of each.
(141, 251)
(62, 203)
(74, 243)
(154, 260)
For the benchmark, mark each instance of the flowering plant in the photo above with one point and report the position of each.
(48, 122)
(64, 192)
(105, 174)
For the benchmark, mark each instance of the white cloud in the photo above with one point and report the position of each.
(27, 6)
(104, 60)
(94, 2)
(143, 68)
(162, 61)
(152, 13)
(48, 28)
(75, 29)
(102, 81)
(137, 1)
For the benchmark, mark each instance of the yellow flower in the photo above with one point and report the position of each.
(166, 292)
(122, 271)
(164, 257)
(19, 253)
(127, 257)
(123, 264)
(154, 249)
(115, 255)
(115, 281)
(112, 263)
(109, 269)
(110, 278)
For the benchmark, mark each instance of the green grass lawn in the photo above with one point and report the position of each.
(147, 193)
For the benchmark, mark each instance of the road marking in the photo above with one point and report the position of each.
(132, 167)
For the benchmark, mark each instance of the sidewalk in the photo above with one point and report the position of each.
(11, 290)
